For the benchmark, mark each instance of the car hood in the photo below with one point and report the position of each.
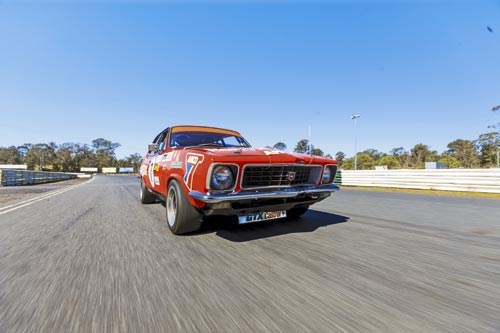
(261, 155)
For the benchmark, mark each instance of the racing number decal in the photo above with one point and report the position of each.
(151, 170)
(192, 162)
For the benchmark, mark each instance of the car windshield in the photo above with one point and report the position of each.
(206, 139)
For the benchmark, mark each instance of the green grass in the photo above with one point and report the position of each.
(425, 192)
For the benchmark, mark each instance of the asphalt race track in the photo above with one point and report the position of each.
(93, 259)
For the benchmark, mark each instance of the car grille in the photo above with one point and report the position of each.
(277, 175)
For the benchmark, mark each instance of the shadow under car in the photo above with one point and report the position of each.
(229, 229)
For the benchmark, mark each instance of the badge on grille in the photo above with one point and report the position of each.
(291, 175)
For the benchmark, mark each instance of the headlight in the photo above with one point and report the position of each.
(327, 175)
(222, 178)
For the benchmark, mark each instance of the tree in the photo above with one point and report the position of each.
(302, 146)
(421, 153)
(66, 158)
(365, 161)
(40, 156)
(374, 154)
(348, 164)
(450, 162)
(279, 146)
(133, 160)
(398, 151)
(106, 146)
(105, 152)
(317, 152)
(465, 152)
(487, 144)
(403, 156)
(391, 161)
(10, 155)
(84, 156)
(23, 150)
(340, 156)
(418, 154)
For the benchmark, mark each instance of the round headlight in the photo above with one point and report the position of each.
(222, 178)
(327, 175)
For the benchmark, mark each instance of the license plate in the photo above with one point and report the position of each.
(261, 216)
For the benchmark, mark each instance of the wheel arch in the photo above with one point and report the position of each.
(175, 176)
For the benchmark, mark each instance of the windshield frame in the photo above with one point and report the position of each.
(206, 139)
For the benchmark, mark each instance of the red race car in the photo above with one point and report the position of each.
(201, 171)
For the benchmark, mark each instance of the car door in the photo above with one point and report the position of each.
(150, 164)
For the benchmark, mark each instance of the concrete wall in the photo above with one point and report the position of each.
(473, 180)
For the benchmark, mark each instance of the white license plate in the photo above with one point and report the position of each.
(262, 216)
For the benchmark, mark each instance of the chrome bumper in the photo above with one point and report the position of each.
(286, 193)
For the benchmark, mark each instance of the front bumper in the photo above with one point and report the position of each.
(213, 198)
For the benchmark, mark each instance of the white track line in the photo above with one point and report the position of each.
(32, 199)
(39, 198)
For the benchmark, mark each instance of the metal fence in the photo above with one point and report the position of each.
(471, 180)
(23, 177)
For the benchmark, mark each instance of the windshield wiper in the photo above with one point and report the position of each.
(209, 145)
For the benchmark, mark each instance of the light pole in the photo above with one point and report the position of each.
(495, 109)
(309, 143)
(355, 118)
(498, 145)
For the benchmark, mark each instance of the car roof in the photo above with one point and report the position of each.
(192, 128)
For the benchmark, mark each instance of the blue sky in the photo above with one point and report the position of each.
(417, 71)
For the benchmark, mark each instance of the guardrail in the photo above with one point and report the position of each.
(470, 180)
(23, 177)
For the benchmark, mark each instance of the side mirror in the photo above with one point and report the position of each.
(152, 148)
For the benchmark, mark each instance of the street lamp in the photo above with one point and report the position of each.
(498, 145)
(495, 109)
(355, 118)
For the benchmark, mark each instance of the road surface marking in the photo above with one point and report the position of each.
(5, 210)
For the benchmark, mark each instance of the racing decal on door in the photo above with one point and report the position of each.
(163, 162)
(192, 162)
(151, 170)
(143, 170)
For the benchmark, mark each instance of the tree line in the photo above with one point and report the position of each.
(69, 156)
(303, 146)
(460, 153)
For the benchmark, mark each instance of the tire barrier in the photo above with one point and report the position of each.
(23, 177)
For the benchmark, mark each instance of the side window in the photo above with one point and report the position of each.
(159, 140)
(155, 140)
(162, 141)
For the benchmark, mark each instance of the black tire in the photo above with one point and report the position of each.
(145, 195)
(181, 216)
(296, 212)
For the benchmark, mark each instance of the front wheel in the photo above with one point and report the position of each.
(181, 216)
(296, 212)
